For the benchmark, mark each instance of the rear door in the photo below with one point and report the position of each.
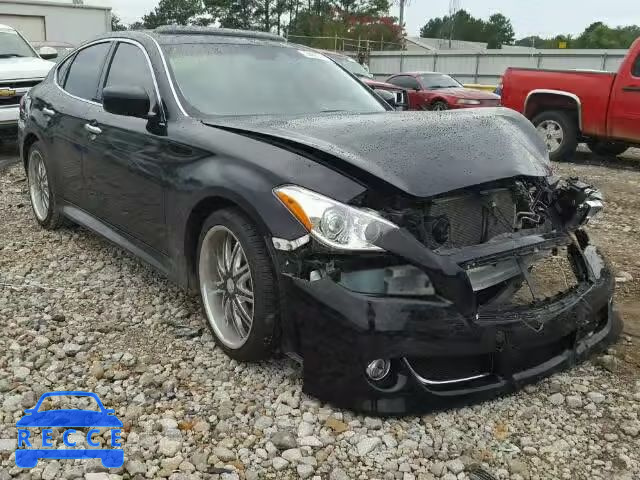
(63, 111)
(624, 109)
(126, 155)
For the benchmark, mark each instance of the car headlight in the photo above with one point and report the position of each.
(466, 101)
(333, 223)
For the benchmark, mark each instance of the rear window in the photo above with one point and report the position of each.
(241, 79)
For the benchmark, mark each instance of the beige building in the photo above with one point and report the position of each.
(69, 21)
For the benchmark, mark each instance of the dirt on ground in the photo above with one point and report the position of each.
(617, 231)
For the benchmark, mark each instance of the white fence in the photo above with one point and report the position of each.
(487, 67)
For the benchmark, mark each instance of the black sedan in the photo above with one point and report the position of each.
(408, 259)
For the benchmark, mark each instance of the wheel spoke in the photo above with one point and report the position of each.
(227, 250)
(243, 315)
(238, 318)
(233, 258)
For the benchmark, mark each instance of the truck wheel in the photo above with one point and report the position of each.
(607, 149)
(559, 131)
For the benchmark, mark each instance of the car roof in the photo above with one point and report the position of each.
(173, 34)
(6, 27)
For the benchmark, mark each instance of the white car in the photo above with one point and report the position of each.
(21, 67)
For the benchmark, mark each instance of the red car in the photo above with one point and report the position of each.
(569, 106)
(437, 91)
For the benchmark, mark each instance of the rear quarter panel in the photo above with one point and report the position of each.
(592, 88)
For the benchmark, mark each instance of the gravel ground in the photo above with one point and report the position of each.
(80, 314)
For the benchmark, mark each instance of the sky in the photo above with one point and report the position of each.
(529, 17)
(532, 17)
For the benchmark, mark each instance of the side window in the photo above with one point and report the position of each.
(405, 82)
(130, 67)
(636, 68)
(62, 71)
(84, 73)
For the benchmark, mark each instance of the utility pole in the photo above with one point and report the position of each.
(402, 3)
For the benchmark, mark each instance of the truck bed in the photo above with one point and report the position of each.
(591, 87)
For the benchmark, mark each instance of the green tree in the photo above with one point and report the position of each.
(116, 23)
(462, 26)
(169, 12)
(499, 31)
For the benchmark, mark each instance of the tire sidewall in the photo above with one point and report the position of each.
(259, 344)
(569, 128)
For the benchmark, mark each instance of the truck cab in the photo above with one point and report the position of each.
(570, 106)
(21, 68)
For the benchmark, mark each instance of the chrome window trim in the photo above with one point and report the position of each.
(57, 68)
(560, 93)
(168, 74)
(114, 40)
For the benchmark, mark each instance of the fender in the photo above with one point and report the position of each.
(560, 93)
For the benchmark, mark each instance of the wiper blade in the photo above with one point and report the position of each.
(10, 55)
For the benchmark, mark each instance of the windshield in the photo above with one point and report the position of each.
(13, 45)
(352, 66)
(232, 79)
(438, 80)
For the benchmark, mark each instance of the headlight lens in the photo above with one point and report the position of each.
(332, 223)
(466, 101)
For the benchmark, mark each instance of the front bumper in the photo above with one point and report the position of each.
(440, 356)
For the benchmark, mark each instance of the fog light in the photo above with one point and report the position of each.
(378, 369)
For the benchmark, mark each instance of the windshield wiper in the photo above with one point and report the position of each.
(10, 55)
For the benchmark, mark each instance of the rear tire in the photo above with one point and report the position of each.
(239, 296)
(607, 149)
(41, 190)
(559, 130)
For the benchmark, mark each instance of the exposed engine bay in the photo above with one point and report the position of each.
(448, 224)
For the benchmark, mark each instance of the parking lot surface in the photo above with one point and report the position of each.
(80, 314)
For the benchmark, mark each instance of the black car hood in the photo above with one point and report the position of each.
(420, 153)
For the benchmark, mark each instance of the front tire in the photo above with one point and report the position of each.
(41, 192)
(559, 131)
(237, 286)
(439, 106)
(607, 149)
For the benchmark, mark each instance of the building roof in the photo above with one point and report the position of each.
(433, 44)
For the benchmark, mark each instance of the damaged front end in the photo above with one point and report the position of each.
(458, 297)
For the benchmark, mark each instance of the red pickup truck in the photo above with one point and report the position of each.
(568, 106)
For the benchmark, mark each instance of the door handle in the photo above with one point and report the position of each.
(48, 112)
(92, 129)
(631, 88)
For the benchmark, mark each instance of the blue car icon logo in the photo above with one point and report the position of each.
(27, 457)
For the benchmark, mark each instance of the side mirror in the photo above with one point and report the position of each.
(388, 97)
(47, 53)
(126, 101)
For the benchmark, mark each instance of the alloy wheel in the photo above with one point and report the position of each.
(552, 134)
(38, 185)
(226, 286)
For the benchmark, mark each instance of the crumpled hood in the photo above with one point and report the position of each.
(420, 153)
(24, 68)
